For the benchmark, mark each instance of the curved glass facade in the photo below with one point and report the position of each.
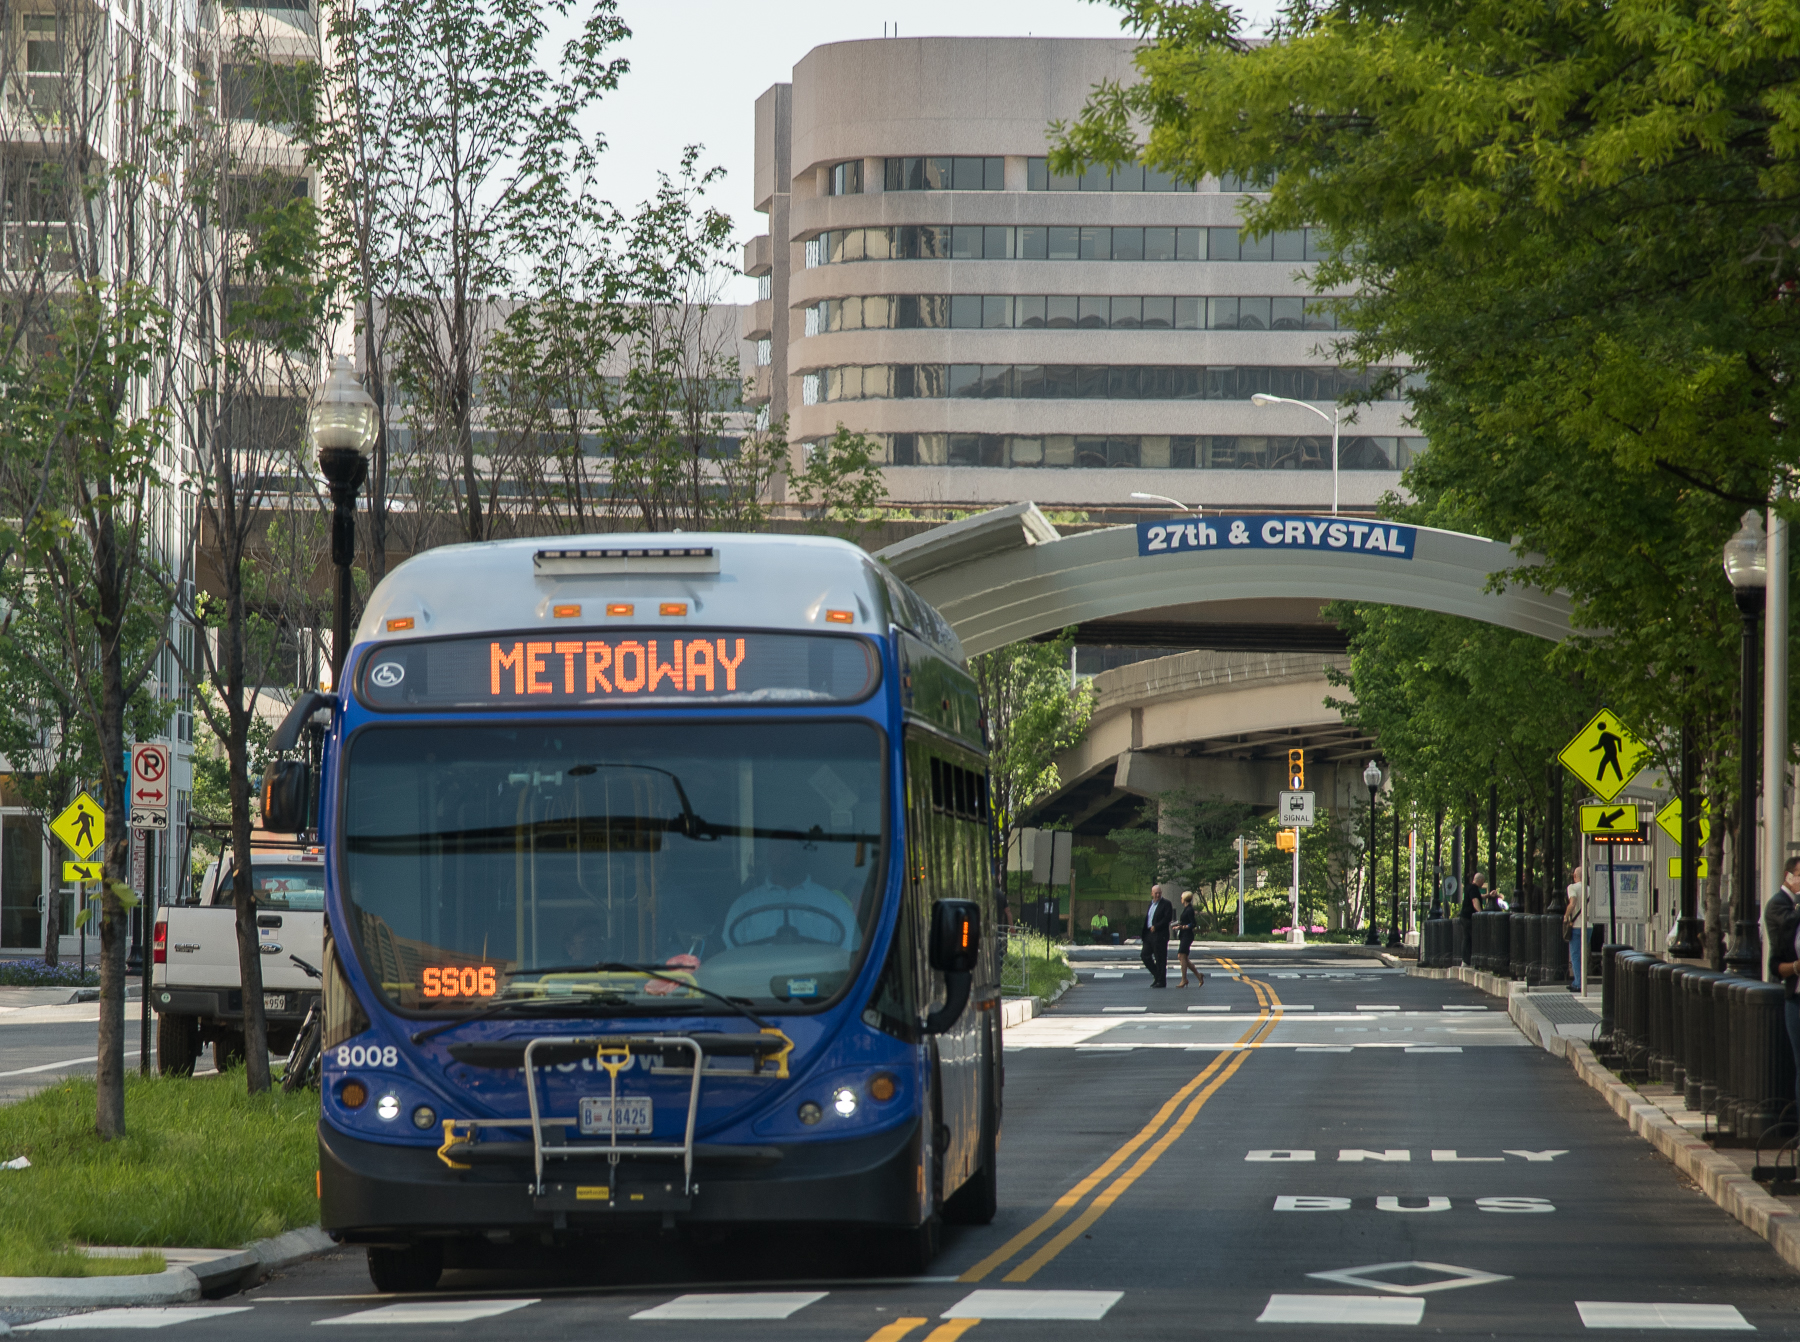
(1103, 382)
(1205, 452)
(1064, 312)
(1026, 242)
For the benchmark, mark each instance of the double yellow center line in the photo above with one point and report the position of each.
(1153, 1139)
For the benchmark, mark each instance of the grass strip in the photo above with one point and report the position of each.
(1035, 965)
(202, 1165)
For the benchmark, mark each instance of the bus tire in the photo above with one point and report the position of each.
(909, 1252)
(416, 1267)
(177, 1044)
(978, 1201)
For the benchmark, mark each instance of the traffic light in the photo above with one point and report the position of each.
(1286, 839)
(1296, 770)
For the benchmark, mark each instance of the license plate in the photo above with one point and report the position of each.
(274, 1002)
(632, 1113)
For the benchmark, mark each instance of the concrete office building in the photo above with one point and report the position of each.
(1006, 334)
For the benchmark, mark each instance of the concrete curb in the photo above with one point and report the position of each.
(174, 1286)
(1718, 1176)
(1018, 1010)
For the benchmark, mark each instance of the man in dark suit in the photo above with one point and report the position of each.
(1156, 937)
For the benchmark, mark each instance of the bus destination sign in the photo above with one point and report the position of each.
(625, 666)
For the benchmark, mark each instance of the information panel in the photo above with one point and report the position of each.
(617, 667)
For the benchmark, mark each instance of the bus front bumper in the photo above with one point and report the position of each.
(373, 1193)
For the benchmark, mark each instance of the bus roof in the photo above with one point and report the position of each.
(729, 579)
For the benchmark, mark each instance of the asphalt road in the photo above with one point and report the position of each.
(44, 1039)
(1167, 1172)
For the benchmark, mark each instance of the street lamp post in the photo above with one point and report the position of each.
(1393, 937)
(1746, 565)
(342, 426)
(1261, 399)
(1372, 780)
(1196, 510)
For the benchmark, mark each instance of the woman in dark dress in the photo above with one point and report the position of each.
(1186, 928)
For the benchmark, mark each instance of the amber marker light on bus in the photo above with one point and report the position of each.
(354, 1094)
(882, 1087)
(566, 612)
(619, 608)
(840, 617)
(399, 624)
(672, 608)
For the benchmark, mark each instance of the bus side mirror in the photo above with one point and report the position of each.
(284, 796)
(955, 936)
(954, 950)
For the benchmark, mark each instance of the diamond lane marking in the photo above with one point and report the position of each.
(1435, 1048)
(1341, 1309)
(1087, 1306)
(1620, 1314)
(431, 1311)
(1111, 1010)
(734, 1305)
(140, 1316)
(1453, 1278)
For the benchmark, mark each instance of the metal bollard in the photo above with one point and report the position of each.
(1637, 1015)
(1696, 987)
(1661, 1022)
(1678, 1028)
(1556, 950)
(1518, 941)
(1460, 948)
(1768, 1087)
(1721, 1071)
(1609, 991)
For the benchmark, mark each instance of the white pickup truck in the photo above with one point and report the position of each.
(196, 988)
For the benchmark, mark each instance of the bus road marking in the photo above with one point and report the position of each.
(1211, 1077)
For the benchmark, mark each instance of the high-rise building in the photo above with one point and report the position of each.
(1005, 333)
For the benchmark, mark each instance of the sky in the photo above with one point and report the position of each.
(697, 67)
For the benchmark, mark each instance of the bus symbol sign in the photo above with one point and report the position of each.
(1295, 810)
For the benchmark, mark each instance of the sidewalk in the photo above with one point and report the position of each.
(1561, 1024)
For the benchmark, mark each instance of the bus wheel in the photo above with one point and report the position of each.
(908, 1253)
(177, 1044)
(417, 1267)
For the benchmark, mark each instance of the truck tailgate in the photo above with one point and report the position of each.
(203, 951)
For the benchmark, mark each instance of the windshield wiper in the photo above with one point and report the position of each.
(502, 1008)
(737, 1004)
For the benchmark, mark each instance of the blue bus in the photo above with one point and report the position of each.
(659, 894)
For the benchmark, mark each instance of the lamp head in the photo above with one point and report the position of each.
(1747, 554)
(1372, 775)
(1261, 398)
(342, 417)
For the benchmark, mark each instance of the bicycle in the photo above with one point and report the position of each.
(302, 1070)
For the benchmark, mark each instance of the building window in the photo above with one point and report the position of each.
(765, 285)
(975, 242)
(1063, 312)
(1101, 382)
(945, 174)
(1131, 177)
(1149, 452)
(765, 353)
(845, 179)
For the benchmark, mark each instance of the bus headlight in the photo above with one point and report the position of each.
(843, 1099)
(388, 1107)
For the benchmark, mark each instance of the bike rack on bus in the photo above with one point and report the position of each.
(614, 1054)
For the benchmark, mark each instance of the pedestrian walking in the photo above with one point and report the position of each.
(1157, 920)
(1185, 929)
(1781, 920)
(1575, 926)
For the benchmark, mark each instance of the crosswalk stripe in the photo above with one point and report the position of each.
(733, 1305)
(136, 1316)
(1627, 1314)
(1343, 1309)
(1085, 1306)
(430, 1311)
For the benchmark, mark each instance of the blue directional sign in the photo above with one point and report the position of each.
(1277, 531)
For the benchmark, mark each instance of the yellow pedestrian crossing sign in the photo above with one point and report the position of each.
(84, 871)
(1669, 820)
(82, 827)
(1610, 818)
(1605, 755)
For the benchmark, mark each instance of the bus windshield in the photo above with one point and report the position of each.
(613, 864)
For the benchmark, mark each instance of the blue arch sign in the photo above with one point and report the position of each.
(1276, 531)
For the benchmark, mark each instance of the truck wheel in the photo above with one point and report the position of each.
(177, 1044)
(228, 1048)
(416, 1267)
